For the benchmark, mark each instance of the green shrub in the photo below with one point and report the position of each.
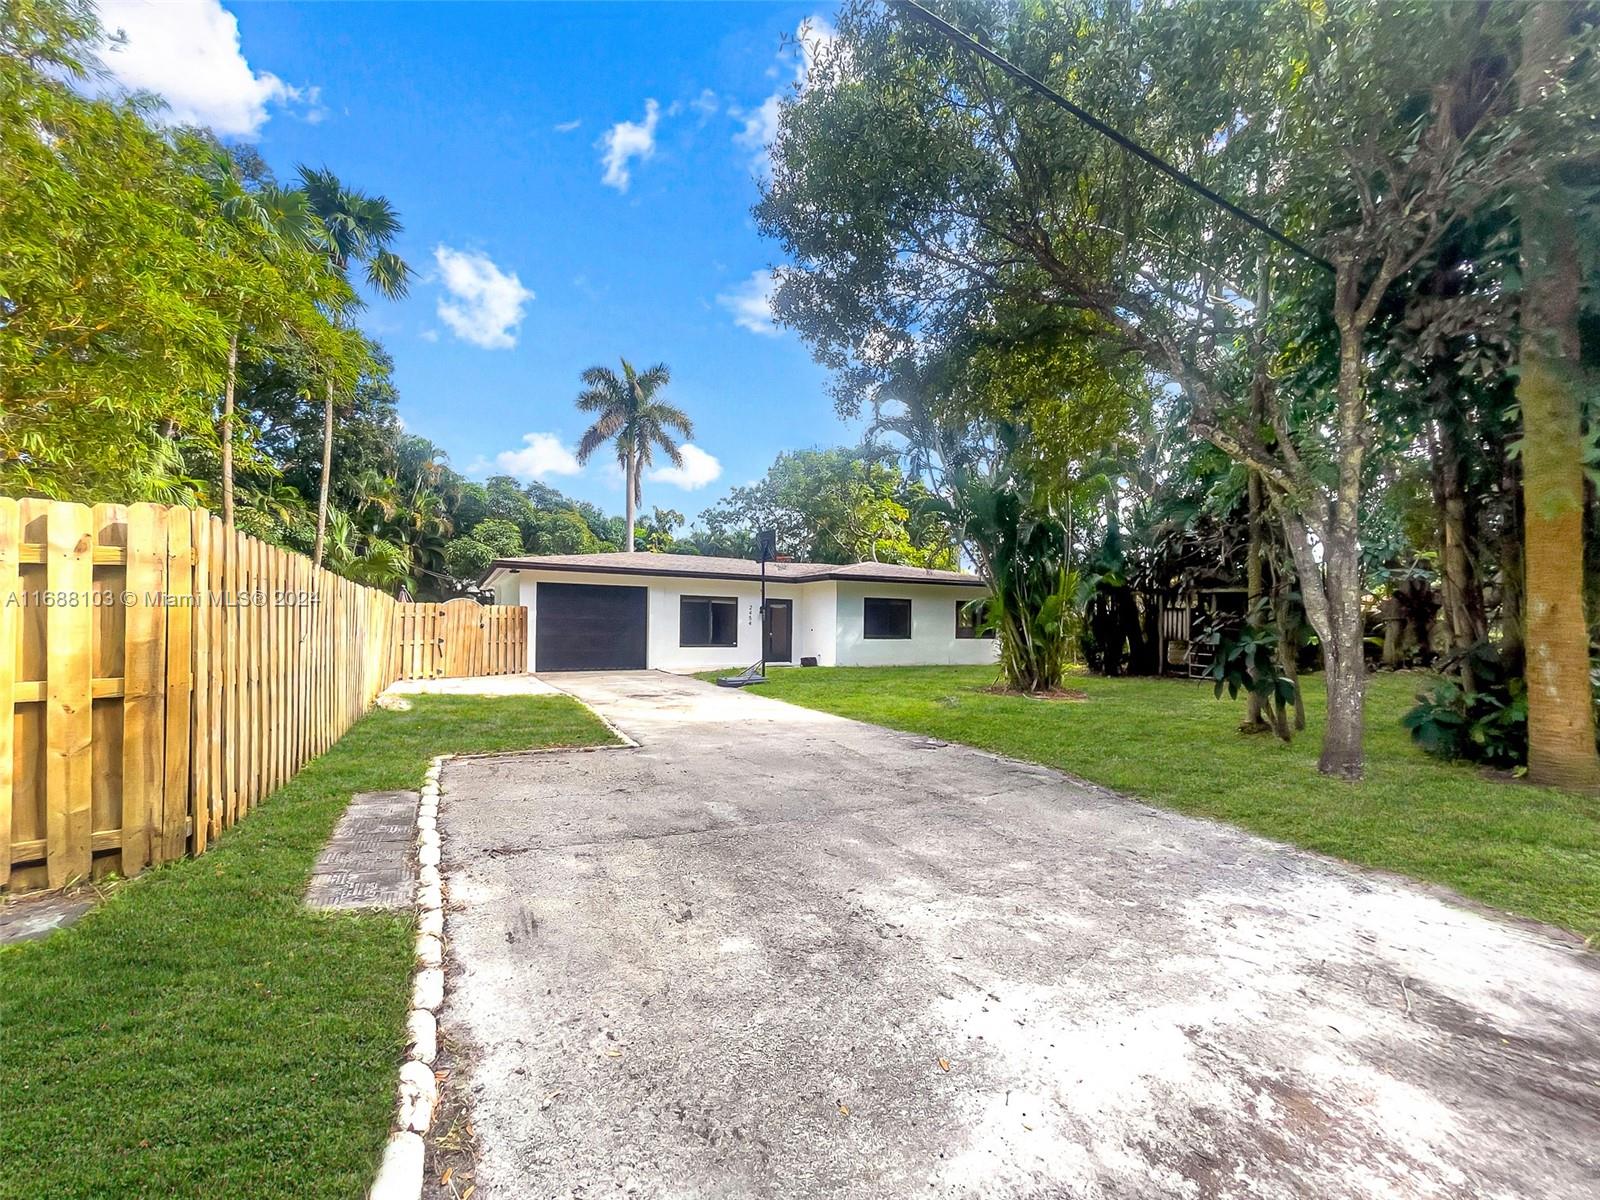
(1487, 723)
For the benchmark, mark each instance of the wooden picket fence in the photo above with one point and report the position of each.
(162, 676)
(459, 638)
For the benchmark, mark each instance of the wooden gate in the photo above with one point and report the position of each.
(460, 638)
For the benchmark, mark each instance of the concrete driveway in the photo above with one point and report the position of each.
(774, 953)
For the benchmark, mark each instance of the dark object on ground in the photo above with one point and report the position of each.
(752, 674)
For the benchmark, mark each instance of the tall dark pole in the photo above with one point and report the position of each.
(766, 547)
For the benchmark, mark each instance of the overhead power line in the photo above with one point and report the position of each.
(967, 42)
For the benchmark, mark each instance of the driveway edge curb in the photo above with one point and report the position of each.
(400, 1170)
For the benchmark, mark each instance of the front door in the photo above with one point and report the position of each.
(780, 631)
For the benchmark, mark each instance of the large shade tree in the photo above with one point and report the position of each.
(839, 505)
(630, 414)
(110, 341)
(916, 186)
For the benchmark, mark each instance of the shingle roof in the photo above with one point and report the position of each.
(705, 566)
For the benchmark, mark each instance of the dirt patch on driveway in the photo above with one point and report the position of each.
(774, 953)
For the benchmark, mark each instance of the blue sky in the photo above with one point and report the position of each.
(576, 183)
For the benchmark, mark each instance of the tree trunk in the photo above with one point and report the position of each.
(1345, 678)
(1289, 655)
(1463, 603)
(1337, 585)
(1254, 584)
(1390, 613)
(629, 483)
(327, 471)
(1260, 381)
(1330, 590)
(227, 431)
(1511, 590)
(1561, 746)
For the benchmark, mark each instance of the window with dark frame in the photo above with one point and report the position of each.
(968, 614)
(708, 621)
(886, 619)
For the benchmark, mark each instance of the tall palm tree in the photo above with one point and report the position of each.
(269, 221)
(1561, 747)
(628, 414)
(354, 228)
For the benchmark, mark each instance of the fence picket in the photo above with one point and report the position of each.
(200, 703)
(180, 626)
(10, 601)
(143, 684)
(160, 675)
(69, 689)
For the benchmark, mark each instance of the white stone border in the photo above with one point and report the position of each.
(400, 1171)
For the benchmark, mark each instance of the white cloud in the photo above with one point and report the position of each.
(760, 128)
(541, 454)
(813, 36)
(751, 304)
(628, 140)
(699, 469)
(569, 126)
(485, 303)
(189, 54)
(429, 335)
(705, 105)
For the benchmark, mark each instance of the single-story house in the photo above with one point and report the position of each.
(682, 612)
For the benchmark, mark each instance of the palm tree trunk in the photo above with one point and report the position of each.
(630, 482)
(1561, 747)
(327, 470)
(227, 431)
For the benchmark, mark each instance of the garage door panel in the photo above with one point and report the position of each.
(590, 627)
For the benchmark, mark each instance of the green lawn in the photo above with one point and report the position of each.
(201, 1034)
(1524, 849)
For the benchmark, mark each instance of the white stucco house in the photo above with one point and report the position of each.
(680, 612)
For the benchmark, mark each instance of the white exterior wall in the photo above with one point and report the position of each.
(814, 622)
(826, 620)
(933, 627)
(662, 650)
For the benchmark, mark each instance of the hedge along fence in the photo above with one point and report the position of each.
(162, 676)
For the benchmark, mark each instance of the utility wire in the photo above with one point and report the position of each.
(914, 10)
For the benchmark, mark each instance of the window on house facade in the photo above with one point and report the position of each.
(882, 618)
(968, 613)
(708, 621)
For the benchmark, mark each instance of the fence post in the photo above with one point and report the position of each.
(10, 633)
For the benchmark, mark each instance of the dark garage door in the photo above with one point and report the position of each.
(589, 627)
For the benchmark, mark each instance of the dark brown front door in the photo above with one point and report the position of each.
(780, 631)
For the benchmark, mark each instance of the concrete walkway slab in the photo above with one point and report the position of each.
(28, 918)
(773, 953)
(370, 861)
